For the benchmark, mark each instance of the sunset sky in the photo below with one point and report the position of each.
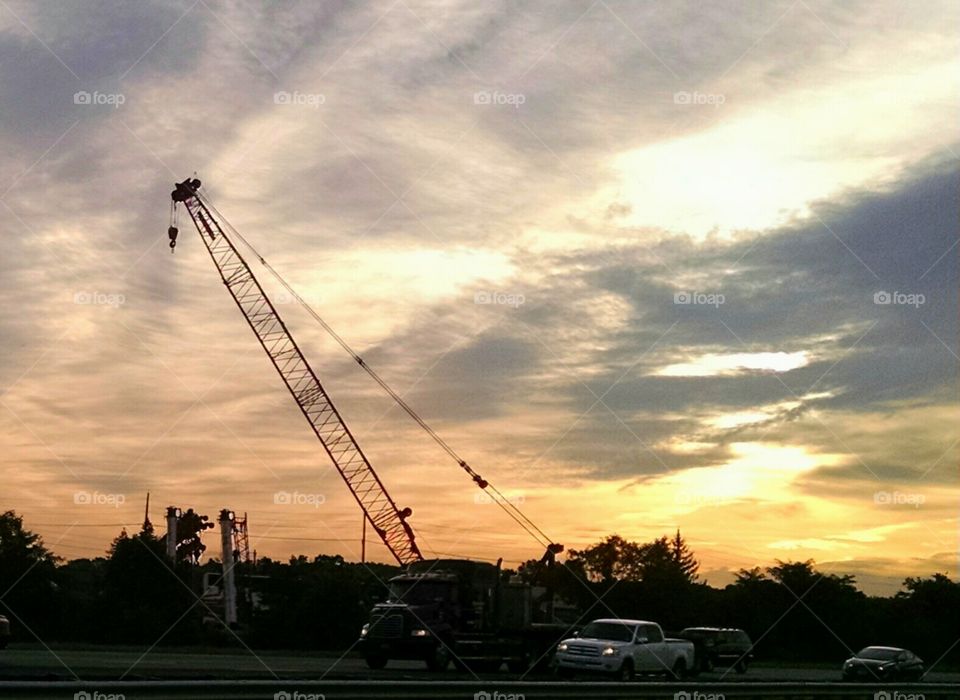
(719, 239)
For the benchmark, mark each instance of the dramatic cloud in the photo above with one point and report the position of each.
(646, 267)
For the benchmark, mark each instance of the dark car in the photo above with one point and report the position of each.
(720, 646)
(4, 631)
(883, 663)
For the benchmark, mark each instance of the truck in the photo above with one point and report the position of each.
(720, 645)
(468, 612)
(624, 648)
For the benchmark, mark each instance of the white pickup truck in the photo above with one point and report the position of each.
(624, 648)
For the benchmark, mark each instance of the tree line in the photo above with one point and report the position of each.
(134, 594)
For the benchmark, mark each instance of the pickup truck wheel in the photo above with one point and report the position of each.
(741, 666)
(626, 671)
(439, 659)
(376, 661)
(679, 671)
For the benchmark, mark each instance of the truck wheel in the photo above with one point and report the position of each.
(376, 661)
(679, 671)
(741, 666)
(626, 671)
(439, 659)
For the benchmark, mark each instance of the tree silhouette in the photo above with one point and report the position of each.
(612, 559)
(667, 561)
(190, 527)
(27, 576)
(146, 595)
(683, 558)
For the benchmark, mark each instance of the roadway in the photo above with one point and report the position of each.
(35, 662)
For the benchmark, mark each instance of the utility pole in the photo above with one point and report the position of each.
(173, 518)
(147, 525)
(229, 582)
(363, 542)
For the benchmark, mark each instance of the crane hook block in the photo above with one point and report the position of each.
(172, 232)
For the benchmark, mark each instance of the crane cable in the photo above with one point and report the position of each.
(500, 499)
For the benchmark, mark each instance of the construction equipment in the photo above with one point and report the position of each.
(388, 520)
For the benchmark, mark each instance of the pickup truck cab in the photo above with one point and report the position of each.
(624, 648)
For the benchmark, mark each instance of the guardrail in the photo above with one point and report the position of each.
(461, 690)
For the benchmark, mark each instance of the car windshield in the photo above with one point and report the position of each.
(878, 654)
(418, 592)
(612, 631)
(697, 633)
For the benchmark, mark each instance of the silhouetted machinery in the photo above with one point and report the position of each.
(438, 609)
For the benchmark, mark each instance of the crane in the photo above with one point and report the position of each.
(388, 520)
